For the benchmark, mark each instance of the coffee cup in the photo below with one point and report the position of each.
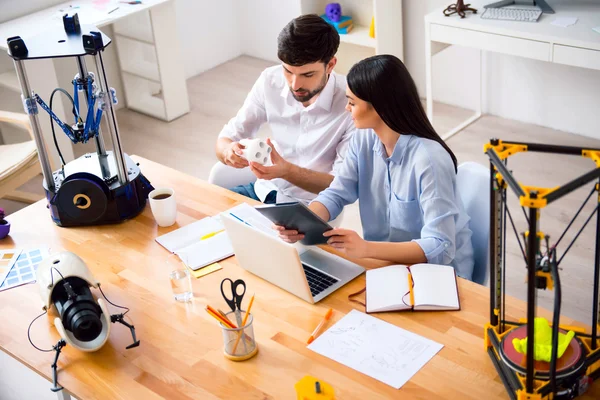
(163, 205)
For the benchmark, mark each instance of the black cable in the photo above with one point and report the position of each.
(514, 227)
(575, 217)
(52, 276)
(111, 303)
(29, 333)
(75, 113)
(577, 235)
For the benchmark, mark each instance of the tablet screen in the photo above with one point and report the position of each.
(299, 217)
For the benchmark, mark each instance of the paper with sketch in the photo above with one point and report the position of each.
(564, 22)
(376, 348)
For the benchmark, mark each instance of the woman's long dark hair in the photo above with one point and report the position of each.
(384, 81)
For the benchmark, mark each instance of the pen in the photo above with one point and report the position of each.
(318, 328)
(243, 324)
(239, 219)
(209, 235)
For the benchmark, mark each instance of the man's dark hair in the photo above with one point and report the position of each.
(307, 39)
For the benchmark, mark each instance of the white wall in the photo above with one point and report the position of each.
(209, 32)
(260, 24)
(552, 95)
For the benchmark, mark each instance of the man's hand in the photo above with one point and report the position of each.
(279, 169)
(348, 241)
(232, 155)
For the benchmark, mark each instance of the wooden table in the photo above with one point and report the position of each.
(181, 356)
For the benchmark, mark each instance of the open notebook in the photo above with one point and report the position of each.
(196, 252)
(419, 287)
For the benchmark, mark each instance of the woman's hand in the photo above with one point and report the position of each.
(348, 241)
(288, 235)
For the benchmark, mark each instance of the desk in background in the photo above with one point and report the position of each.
(181, 353)
(577, 45)
(147, 45)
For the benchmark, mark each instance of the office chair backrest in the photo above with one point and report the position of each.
(473, 182)
(228, 177)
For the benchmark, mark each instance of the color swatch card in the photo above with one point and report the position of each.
(7, 260)
(376, 348)
(23, 271)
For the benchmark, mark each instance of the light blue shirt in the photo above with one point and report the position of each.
(410, 196)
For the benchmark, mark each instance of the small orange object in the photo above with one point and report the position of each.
(320, 326)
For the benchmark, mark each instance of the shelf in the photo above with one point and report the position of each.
(359, 36)
(137, 26)
(138, 58)
(144, 96)
(10, 81)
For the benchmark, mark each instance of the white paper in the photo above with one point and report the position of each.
(189, 234)
(206, 252)
(376, 348)
(564, 22)
(248, 214)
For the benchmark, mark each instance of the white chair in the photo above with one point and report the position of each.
(18, 162)
(228, 177)
(473, 183)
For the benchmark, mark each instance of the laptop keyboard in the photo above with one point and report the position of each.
(317, 280)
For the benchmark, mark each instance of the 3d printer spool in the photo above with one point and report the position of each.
(569, 364)
(82, 199)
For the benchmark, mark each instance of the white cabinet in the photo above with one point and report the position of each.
(152, 74)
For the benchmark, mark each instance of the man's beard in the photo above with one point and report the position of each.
(309, 94)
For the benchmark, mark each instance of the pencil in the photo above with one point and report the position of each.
(243, 324)
(318, 328)
(219, 318)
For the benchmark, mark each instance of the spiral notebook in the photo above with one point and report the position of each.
(420, 287)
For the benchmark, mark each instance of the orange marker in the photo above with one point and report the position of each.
(320, 326)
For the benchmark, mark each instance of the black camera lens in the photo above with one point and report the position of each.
(86, 325)
(78, 309)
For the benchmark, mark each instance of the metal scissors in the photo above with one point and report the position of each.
(235, 301)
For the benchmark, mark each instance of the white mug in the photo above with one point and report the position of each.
(164, 208)
(256, 150)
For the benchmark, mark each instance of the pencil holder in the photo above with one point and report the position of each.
(239, 343)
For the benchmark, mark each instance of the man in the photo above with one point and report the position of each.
(303, 101)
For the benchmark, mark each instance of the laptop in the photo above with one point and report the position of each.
(309, 273)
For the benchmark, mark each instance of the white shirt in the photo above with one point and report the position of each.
(314, 137)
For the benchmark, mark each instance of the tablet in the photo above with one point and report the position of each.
(299, 217)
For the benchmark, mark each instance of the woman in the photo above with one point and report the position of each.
(401, 171)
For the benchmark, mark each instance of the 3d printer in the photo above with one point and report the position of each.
(563, 377)
(97, 188)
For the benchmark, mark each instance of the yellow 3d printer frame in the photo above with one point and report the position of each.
(522, 377)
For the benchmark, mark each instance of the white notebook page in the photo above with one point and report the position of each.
(435, 285)
(386, 287)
